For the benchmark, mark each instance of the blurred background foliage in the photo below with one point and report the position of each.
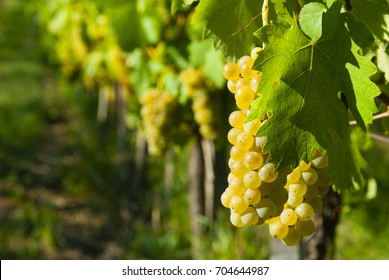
(77, 180)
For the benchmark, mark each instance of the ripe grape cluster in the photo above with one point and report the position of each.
(286, 199)
(158, 110)
(199, 90)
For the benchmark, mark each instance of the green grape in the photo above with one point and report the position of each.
(266, 208)
(316, 203)
(238, 204)
(312, 191)
(239, 169)
(288, 217)
(252, 180)
(294, 201)
(323, 178)
(267, 173)
(305, 228)
(280, 197)
(304, 212)
(278, 229)
(253, 160)
(244, 140)
(292, 238)
(266, 189)
(237, 119)
(235, 219)
(232, 134)
(249, 217)
(237, 153)
(323, 190)
(231, 71)
(252, 196)
(309, 176)
(298, 188)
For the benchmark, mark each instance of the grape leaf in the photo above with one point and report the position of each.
(375, 13)
(231, 23)
(311, 19)
(300, 87)
(203, 54)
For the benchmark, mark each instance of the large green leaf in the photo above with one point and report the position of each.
(300, 87)
(231, 23)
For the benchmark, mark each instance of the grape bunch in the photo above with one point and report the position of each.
(200, 91)
(158, 110)
(286, 199)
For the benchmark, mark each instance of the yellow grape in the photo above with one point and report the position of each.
(252, 127)
(304, 212)
(237, 153)
(238, 204)
(252, 196)
(244, 140)
(278, 229)
(252, 180)
(237, 119)
(309, 176)
(288, 217)
(231, 71)
(239, 169)
(232, 134)
(243, 97)
(249, 217)
(267, 173)
(253, 160)
(235, 219)
(298, 188)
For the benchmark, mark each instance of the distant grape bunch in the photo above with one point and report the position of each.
(158, 110)
(201, 95)
(286, 199)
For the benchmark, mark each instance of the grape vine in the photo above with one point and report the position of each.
(307, 78)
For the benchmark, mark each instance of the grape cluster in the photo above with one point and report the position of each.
(286, 199)
(199, 90)
(158, 110)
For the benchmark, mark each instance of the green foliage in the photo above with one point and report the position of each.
(300, 84)
(230, 23)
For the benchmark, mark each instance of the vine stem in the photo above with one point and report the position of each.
(265, 12)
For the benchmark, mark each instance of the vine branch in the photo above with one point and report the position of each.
(375, 117)
(379, 137)
(384, 99)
